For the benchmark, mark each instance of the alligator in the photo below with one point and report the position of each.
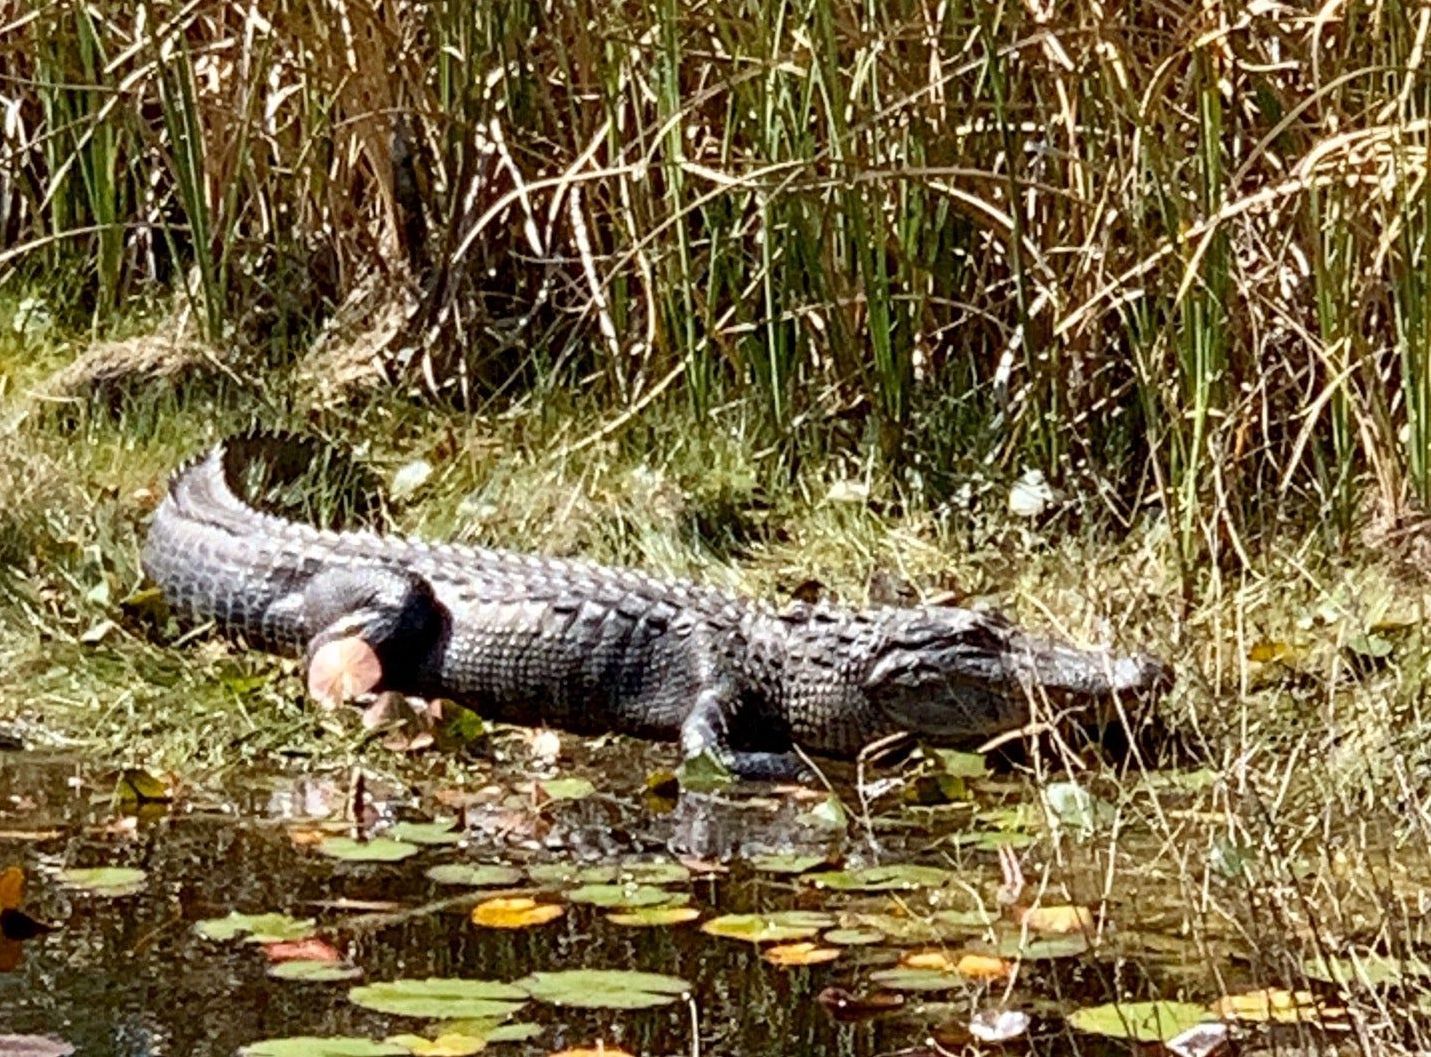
(566, 643)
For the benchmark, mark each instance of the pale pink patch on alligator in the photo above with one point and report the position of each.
(342, 670)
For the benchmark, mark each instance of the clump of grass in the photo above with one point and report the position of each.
(1176, 258)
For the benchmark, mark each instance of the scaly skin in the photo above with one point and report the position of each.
(595, 650)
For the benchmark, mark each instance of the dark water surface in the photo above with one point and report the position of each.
(130, 976)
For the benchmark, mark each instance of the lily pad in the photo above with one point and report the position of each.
(625, 897)
(907, 979)
(322, 1046)
(514, 912)
(1140, 1021)
(654, 916)
(441, 998)
(853, 937)
(381, 849)
(769, 928)
(426, 832)
(787, 863)
(904, 876)
(604, 988)
(651, 873)
(256, 928)
(493, 1030)
(314, 972)
(1036, 950)
(447, 1044)
(1075, 809)
(481, 876)
(107, 881)
(561, 874)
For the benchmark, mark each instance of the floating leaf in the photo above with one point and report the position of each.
(314, 971)
(982, 967)
(769, 928)
(440, 998)
(651, 873)
(1140, 1021)
(562, 874)
(380, 849)
(915, 979)
(787, 863)
(1273, 1004)
(928, 960)
(566, 788)
(513, 1032)
(625, 897)
(515, 912)
(106, 881)
(903, 876)
(1057, 920)
(256, 928)
(853, 937)
(309, 949)
(322, 1046)
(1363, 968)
(593, 1051)
(1032, 950)
(654, 916)
(790, 955)
(829, 813)
(938, 927)
(604, 988)
(448, 1044)
(480, 876)
(439, 832)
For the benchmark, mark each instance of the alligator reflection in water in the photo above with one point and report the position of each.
(130, 976)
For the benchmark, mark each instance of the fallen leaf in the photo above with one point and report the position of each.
(927, 960)
(311, 949)
(514, 912)
(789, 955)
(12, 888)
(1057, 920)
(982, 967)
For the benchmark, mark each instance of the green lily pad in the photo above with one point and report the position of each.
(322, 1046)
(625, 897)
(902, 876)
(441, 998)
(1364, 968)
(380, 849)
(703, 774)
(654, 916)
(938, 927)
(256, 928)
(903, 979)
(1140, 1021)
(426, 832)
(1048, 948)
(562, 874)
(314, 972)
(493, 1030)
(990, 839)
(769, 928)
(604, 988)
(447, 1043)
(649, 873)
(567, 788)
(853, 937)
(787, 863)
(481, 876)
(107, 881)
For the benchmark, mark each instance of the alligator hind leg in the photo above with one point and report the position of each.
(370, 626)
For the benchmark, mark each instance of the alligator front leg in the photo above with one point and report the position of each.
(706, 730)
